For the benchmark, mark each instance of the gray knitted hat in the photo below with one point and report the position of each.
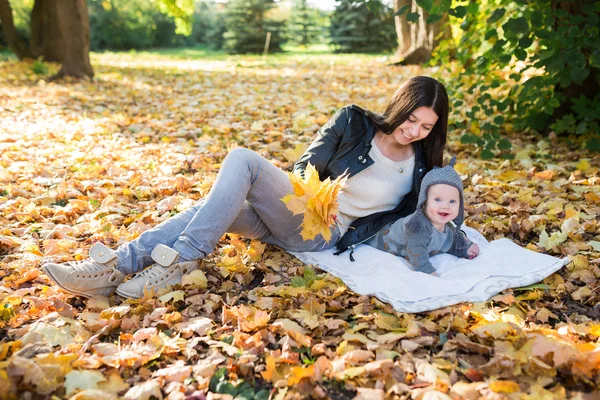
(446, 175)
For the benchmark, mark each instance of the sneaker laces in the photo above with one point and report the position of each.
(88, 265)
(152, 272)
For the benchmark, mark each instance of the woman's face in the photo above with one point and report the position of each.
(417, 126)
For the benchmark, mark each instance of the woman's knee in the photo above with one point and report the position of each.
(240, 153)
(241, 158)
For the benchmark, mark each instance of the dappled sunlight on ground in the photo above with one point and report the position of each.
(104, 160)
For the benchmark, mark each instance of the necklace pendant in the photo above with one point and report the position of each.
(401, 170)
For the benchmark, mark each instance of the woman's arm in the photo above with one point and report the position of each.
(325, 144)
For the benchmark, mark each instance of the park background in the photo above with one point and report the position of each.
(114, 115)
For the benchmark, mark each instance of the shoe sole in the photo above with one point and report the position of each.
(127, 296)
(71, 291)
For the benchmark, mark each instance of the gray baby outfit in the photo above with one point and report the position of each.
(414, 237)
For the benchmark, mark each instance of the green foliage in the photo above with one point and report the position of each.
(21, 11)
(6, 55)
(131, 24)
(521, 66)
(307, 24)
(247, 26)
(593, 144)
(306, 280)
(181, 11)
(208, 24)
(39, 67)
(355, 28)
(220, 383)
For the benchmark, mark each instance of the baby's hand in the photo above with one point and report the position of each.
(473, 251)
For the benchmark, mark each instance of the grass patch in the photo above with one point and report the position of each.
(7, 55)
(321, 52)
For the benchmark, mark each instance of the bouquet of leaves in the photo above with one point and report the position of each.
(316, 200)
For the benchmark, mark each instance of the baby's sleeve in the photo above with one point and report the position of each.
(417, 253)
(459, 247)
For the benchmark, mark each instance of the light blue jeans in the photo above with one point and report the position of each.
(245, 199)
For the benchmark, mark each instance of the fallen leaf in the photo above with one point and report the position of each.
(94, 394)
(144, 391)
(504, 387)
(83, 380)
(195, 279)
(177, 295)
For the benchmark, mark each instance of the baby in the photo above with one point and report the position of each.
(434, 227)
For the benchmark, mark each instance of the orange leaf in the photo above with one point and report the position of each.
(545, 175)
(247, 318)
(270, 373)
(592, 198)
(299, 373)
(27, 276)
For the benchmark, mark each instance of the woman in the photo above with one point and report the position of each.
(386, 157)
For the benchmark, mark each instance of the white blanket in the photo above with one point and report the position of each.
(501, 264)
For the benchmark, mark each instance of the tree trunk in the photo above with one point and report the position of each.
(36, 28)
(46, 36)
(402, 27)
(74, 26)
(416, 40)
(15, 44)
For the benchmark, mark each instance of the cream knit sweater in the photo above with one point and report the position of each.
(380, 187)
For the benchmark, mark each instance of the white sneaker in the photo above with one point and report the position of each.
(87, 278)
(166, 271)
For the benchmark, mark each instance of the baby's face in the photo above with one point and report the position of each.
(442, 205)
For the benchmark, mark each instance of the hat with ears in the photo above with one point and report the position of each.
(448, 176)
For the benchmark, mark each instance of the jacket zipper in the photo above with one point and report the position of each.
(353, 246)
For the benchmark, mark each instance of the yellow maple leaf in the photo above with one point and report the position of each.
(316, 200)
(195, 279)
(504, 386)
(232, 261)
(256, 250)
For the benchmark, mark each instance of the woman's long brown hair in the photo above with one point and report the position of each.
(420, 91)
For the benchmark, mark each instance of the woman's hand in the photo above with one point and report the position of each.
(472, 251)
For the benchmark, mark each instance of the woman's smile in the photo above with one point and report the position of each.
(416, 127)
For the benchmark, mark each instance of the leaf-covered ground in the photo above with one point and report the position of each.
(82, 162)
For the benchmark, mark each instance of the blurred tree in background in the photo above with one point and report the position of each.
(21, 12)
(247, 24)
(209, 24)
(307, 25)
(355, 28)
(59, 30)
(126, 24)
(418, 33)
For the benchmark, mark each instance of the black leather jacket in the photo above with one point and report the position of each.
(343, 143)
